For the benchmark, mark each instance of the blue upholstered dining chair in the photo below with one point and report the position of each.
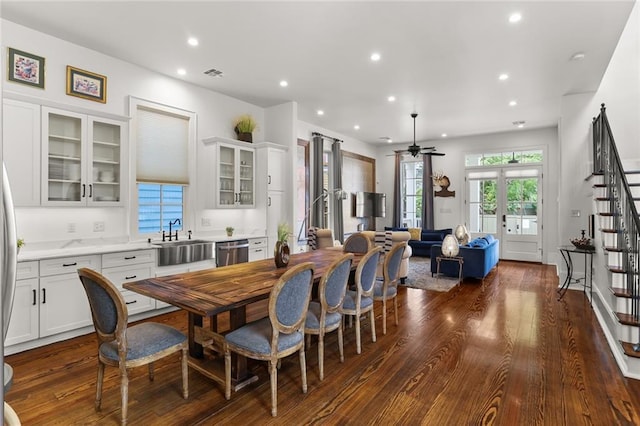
(359, 301)
(324, 315)
(280, 334)
(357, 243)
(127, 347)
(387, 288)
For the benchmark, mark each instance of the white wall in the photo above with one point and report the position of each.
(448, 212)
(215, 115)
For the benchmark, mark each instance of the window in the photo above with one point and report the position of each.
(411, 177)
(510, 157)
(483, 202)
(157, 206)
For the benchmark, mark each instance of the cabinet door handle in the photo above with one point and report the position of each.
(44, 295)
(130, 277)
(131, 303)
(90, 190)
(83, 189)
(129, 257)
(34, 297)
(69, 264)
(258, 250)
(269, 179)
(269, 203)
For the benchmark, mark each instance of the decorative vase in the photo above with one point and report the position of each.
(462, 235)
(281, 254)
(450, 246)
(246, 137)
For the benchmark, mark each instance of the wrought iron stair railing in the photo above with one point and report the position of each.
(624, 214)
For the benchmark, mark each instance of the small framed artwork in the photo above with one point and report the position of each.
(25, 68)
(86, 85)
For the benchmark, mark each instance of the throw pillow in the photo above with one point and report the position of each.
(415, 233)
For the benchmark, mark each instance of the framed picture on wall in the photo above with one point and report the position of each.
(25, 68)
(86, 85)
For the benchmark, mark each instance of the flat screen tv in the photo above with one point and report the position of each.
(368, 204)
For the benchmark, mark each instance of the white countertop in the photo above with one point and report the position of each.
(40, 251)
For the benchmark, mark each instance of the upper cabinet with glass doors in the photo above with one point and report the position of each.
(235, 173)
(82, 159)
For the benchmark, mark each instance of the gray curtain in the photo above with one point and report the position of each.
(397, 192)
(317, 206)
(338, 219)
(427, 192)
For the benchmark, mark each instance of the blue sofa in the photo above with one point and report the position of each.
(428, 237)
(480, 256)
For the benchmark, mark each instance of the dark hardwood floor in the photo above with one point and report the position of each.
(508, 354)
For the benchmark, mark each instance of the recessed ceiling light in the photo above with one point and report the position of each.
(513, 103)
(320, 112)
(578, 56)
(389, 140)
(519, 124)
(515, 17)
(375, 57)
(284, 83)
(444, 135)
(182, 71)
(391, 98)
(192, 41)
(356, 127)
(503, 77)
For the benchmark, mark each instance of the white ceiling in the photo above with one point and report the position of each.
(440, 59)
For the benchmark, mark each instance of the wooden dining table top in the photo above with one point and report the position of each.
(213, 291)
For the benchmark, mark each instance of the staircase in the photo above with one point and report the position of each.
(617, 198)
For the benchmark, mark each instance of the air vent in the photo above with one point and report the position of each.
(214, 73)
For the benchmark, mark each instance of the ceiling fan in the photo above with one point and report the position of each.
(414, 149)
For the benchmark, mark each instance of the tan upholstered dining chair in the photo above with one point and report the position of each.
(324, 315)
(127, 347)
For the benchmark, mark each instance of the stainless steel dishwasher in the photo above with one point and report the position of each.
(232, 252)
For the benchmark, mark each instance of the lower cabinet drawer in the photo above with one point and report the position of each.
(137, 303)
(121, 275)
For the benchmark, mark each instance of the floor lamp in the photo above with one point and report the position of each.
(323, 196)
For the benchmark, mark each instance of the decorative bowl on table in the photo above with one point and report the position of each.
(583, 244)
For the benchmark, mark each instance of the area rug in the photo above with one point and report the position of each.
(419, 276)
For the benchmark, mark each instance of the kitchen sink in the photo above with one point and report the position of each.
(187, 251)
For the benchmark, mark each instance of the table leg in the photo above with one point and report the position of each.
(195, 349)
(565, 286)
(239, 371)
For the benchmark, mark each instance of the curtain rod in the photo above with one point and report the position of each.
(325, 136)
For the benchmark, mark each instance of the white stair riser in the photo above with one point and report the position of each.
(614, 259)
(618, 280)
(627, 333)
(609, 240)
(605, 222)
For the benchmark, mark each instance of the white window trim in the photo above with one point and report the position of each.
(189, 194)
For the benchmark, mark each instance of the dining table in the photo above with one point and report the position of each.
(210, 292)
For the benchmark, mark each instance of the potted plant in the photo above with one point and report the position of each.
(244, 127)
(20, 243)
(229, 230)
(281, 251)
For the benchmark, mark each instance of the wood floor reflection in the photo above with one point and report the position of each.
(508, 354)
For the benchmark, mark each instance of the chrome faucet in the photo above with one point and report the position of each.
(177, 221)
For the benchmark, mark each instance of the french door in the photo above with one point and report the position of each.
(506, 202)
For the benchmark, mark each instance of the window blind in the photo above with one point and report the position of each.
(162, 146)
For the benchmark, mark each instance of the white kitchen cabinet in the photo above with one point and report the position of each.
(257, 249)
(121, 267)
(21, 150)
(23, 325)
(272, 159)
(235, 166)
(63, 304)
(82, 159)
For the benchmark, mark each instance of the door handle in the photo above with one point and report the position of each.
(504, 217)
(83, 190)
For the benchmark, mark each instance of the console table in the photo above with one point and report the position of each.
(587, 279)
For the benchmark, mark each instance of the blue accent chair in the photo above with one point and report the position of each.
(387, 288)
(360, 301)
(278, 335)
(324, 315)
(127, 347)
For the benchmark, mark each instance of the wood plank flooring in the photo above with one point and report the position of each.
(508, 354)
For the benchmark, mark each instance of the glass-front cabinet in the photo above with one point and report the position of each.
(82, 159)
(235, 176)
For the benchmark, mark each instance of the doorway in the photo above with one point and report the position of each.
(506, 202)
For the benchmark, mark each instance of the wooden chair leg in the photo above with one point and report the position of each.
(227, 373)
(373, 325)
(321, 354)
(99, 385)
(384, 316)
(273, 374)
(303, 370)
(358, 346)
(185, 372)
(341, 342)
(124, 393)
(395, 308)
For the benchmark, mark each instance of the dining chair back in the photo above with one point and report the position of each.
(324, 315)
(127, 347)
(278, 335)
(387, 288)
(357, 243)
(359, 301)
